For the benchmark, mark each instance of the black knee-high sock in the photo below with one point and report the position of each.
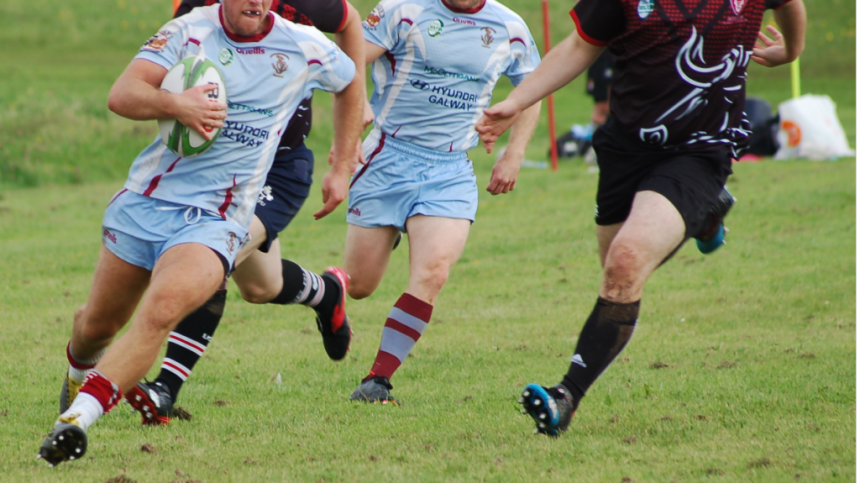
(307, 288)
(607, 330)
(188, 341)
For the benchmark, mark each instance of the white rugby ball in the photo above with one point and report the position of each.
(187, 73)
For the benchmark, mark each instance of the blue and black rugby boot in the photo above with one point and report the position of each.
(551, 408)
(715, 236)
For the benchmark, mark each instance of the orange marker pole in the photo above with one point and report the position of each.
(176, 5)
(553, 150)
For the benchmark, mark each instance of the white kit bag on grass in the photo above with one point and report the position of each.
(809, 128)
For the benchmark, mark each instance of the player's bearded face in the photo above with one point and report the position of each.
(246, 17)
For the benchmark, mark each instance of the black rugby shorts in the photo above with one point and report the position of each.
(691, 180)
(287, 186)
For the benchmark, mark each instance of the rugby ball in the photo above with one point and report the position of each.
(187, 73)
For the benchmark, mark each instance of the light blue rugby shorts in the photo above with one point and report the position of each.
(401, 180)
(139, 229)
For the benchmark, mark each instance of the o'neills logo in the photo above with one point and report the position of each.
(737, 6)
(466, 21)
(252, 50)
(354, 211)
(110, 236)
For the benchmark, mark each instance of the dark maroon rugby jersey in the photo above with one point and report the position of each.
(680, 77)
(326, 15)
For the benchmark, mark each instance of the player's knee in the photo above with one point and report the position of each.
(622, 262)
(358, 289)
(256, 294)
(432, 278)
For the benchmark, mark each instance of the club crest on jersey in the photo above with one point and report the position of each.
(231, 242)
(157, 41)
(646, 7)
(487, 38)
(375, 16)
(280, 64)
(737, 6)
(225, 56)
(435, 28)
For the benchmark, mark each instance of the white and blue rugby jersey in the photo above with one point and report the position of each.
(266, 77)
(442, 64)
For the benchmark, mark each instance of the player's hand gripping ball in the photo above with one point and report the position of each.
(187, 73)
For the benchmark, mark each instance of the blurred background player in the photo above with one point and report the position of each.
(172, 234)
(435, 64)
(598, 85)
(261, 275)
(664, 155)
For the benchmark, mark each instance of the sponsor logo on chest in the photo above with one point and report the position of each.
(737, 6)
(645, 8)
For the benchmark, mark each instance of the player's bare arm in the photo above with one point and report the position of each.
(507, 168)
(786, 45)
(137, 95)
(348, 113)
(563, 64)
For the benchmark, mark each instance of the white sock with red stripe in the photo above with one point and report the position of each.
(97, 397)
(404, 326)
(79, 367)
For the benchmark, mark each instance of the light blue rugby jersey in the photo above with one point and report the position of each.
(266, 77)
(442, 64)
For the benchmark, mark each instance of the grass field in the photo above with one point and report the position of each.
(742, 368)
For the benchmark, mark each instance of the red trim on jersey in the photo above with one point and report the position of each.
(406, 20)
(241, 38)
(372, 155)
(194, 41)
(464, 10)
(117, 196)
(394, 135)
(154, 183)
(228, 198)
(583, 35)
(174, 366)
(345, 16)
(392, 60)
(314, 61)
(517, 39)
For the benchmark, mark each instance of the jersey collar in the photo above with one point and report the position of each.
(464, 10)
(241, 38)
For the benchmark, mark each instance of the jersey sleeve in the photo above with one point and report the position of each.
(329, 69)
(384, 24)
(326, 15)
(598, 21)
(524, 53)
(165, 47)
(775, 4)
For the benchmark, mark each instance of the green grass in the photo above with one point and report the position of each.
(742, 368)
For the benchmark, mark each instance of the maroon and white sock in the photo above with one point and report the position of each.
(79, 367)
(404, 326)
(97, 397)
